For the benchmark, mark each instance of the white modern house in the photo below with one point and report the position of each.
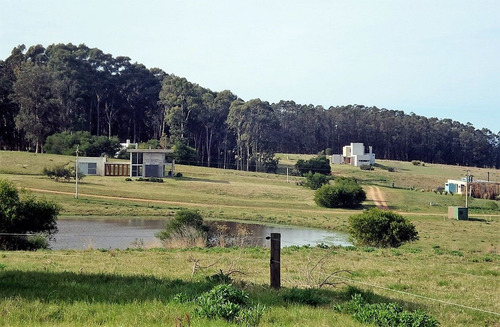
(151, 163)
(354, 154)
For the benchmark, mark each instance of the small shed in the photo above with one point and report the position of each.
(459, 213)
(151, 163)
(91, 165)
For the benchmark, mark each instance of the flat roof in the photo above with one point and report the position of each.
(151, 150)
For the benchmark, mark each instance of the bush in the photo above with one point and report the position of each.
(381, 228)
(416, 162)
(385, 314)
(391, 169)
(319, 164)
(61, 172)
(25, 215)
(344, 193)
(185, 155)
(316, 180)
(230, 303)
(186, 224)
(366, 167)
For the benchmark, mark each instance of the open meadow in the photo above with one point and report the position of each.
(452, 272)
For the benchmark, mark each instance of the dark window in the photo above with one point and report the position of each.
(92, 168)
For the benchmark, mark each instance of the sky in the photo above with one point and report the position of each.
(433, 58)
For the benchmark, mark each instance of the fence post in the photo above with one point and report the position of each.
(275, 260)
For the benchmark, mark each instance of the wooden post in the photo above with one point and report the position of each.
(275, 260)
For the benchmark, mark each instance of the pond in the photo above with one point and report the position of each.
(121, 233)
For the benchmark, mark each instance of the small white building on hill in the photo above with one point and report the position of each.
(354, 155)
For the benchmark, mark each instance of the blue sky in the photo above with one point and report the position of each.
(434, 58)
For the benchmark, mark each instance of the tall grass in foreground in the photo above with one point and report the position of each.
(138, 287)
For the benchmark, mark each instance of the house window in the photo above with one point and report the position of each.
(92, 168)
(137, 158)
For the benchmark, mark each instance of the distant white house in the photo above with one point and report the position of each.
(354, 155)
(456, 186)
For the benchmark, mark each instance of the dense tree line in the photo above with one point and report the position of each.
(68, 88)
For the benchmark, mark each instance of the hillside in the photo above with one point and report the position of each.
(452, 272)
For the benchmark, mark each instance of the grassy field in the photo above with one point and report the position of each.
(452, 272)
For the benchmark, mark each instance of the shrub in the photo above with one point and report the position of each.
(316, 180)
(230, 303)
(179, 175)
(391, 169)
(186, 224)
(416, 162)
(184, 154)
(25, 215)
(381, 228)
(344, 193)
(385, 314)
(319, 164)
(366, 167)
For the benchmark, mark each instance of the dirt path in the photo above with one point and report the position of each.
(376, 195)
(373, 194)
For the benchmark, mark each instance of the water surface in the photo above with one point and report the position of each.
(122, 233)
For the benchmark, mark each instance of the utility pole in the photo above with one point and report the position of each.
(467, 188)
(76, 172)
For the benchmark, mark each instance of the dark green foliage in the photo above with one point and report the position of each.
(178, 175)
(223, 301)
(385, 314)
(219, 278)
(344, 193)
(184, 218)
(150, 179)
(319, 164)
(89, 145)
(185, 155)
(366, 167)
(230, 303)
(25, 215)
(416, 162)
(307, 296)
(61, 173)
(381, 228)
(316, 180)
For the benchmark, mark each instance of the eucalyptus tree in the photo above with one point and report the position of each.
(38, 107)
(180, 102)
(212, 116)
(255, 124)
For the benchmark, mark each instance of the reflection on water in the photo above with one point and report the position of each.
(122, 233)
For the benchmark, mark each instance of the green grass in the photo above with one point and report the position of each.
(453, 261)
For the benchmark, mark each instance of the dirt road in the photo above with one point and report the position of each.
(376, 195)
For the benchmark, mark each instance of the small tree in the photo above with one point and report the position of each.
(344, 193)
(25, 215)
(316, 180)
(185, 155)
(319, 164)
(381, 228)
(186, 224)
